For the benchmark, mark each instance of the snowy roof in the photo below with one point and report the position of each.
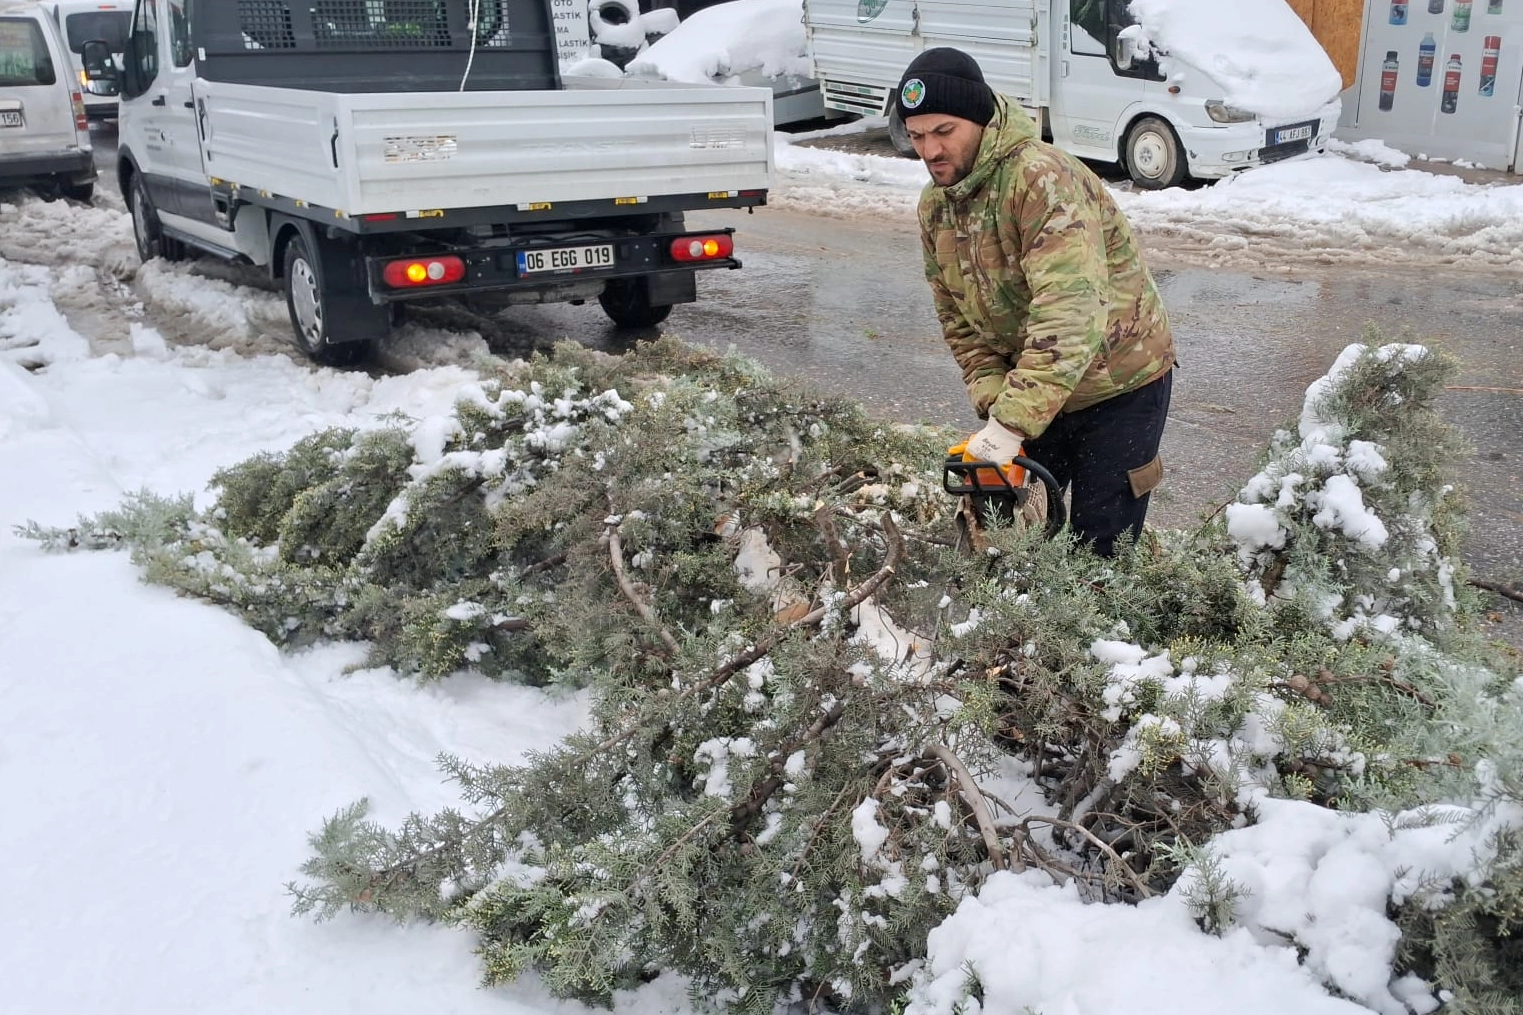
(730, 39)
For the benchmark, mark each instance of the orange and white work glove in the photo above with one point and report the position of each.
(997, 444)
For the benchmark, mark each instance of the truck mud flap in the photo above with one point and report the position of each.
(667, 288)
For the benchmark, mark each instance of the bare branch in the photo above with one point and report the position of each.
(1126, 868)
(616, 557)
(974, 798)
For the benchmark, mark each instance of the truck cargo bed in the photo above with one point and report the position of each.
(389, 152)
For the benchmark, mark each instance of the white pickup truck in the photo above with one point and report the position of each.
(370, 152)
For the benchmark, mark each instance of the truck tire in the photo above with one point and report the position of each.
(306, 301)
(1154, 159)
(898, 136)
(626, 301)
(81, 192)
(146, 232)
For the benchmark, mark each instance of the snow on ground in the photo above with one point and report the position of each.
(1330, 209)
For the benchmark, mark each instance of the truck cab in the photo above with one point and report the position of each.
(81, 21)
(371, 154)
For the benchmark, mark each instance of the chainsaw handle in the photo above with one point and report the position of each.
(1057, 514)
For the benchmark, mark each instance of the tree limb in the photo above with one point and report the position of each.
(972, 796)
(1506, 591)
(1131, 875)
(616, 557)
(722, 673)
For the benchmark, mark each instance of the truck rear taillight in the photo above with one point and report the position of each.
(81, 121)
(702, 248)
(415, 272)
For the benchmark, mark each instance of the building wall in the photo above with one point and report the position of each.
(1413, 51)
(1338, 25)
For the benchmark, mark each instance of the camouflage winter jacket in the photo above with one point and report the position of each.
(1038, 281)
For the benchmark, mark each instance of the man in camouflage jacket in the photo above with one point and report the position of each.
(1043, 298)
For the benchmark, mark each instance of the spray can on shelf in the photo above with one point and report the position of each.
(1489, 57)
(1494, 7)
(1461, 22)
(1398, 12)
(1388, 80)
(1425, 55)
(1435, 6)
(1452, 72)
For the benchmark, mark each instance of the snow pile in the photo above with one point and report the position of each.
(1330, 209)
(1327, 880)
(718, 44)
(1032, 946)
(1309, 879)
(1370, 150)
(1264, 57)
(1336, 210)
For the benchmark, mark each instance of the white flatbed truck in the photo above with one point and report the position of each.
(369, 153)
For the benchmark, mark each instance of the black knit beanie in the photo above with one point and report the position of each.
(945, 80)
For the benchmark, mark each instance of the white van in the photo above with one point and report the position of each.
(82, 21)
(44, 136)
(1123, 81)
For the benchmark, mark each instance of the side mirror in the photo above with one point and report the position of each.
(1126, 51)
(101, 75)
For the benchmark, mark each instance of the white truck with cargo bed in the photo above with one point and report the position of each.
(370, 153)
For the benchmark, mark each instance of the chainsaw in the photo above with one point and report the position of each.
(989, 494)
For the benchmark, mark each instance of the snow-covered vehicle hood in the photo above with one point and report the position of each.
(1261, 56)
(719, 44)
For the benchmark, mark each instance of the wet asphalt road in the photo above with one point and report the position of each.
(843, 303)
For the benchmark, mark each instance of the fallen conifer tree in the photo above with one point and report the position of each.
(819, 733)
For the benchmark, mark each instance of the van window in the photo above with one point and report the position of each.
(109, 27)
(179, 32)
(24, 57)
(142, 58)
(1086, 27)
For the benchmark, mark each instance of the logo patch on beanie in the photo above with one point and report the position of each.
(869, 9)
(913, 93)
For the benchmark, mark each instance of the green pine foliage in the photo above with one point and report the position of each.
(801, 693)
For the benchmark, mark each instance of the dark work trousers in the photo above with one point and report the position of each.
(1105, 453)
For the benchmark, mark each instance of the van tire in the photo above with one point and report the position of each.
(899, 135)
(627, 303)
(306, 302)
(1153, 157)
(147, 234)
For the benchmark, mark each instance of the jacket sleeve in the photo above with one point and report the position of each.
(1058, 218)
(983, 369)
